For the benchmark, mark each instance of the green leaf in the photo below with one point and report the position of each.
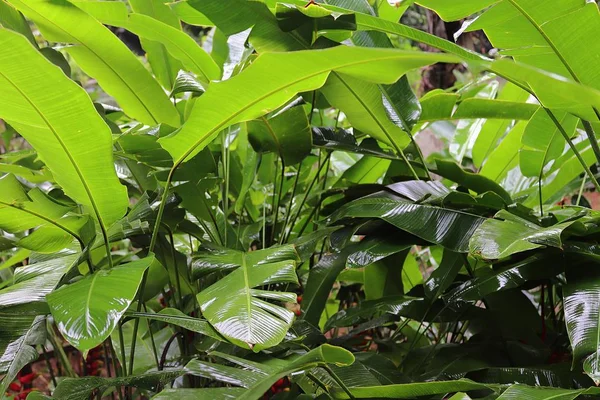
(58, 119)
(83, 388)
(164, 65)
(87, 311)
(260, 96)
(412, 390)
(477, 183)
(21, 351)
(175, 317)
(582, 313)
(286, 133)
(104, 57)
(244, 316)
(545, 393)
(20, 211)
(507, 234)
(443, 276)
(12, 19)
(505, 156)
(257, 378)
(543, 142)
(318, 286)
(450, 228)
(33, 282)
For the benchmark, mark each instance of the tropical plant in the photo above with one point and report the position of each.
(246, 209)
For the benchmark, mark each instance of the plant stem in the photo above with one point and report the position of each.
(338, 381)
(49, 366)
(592, 138)
(289, 209)
(580, 191)
(278, 204)
(573, 148)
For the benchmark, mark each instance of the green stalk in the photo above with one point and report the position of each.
(289, 208)
(592, 138)
(573, 148)
(580, 191)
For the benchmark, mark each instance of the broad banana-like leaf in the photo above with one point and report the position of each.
(104, 57)
(21, 350)
(286, 133)
(21, 210)
(311, 69)
(164, 65)
(175, 317)
(542, 141)
(443, 106)
(58, 119)
(159, 28)
(412, 390)
(510, 277)
(213, 258)
(507, 234)
(87, 311)
(518, 392)
(505, 157)
(33, 282)
(244, 316)
(582, 312)
(83, 388)
(12, 19)
(450, 228)
(255, 378)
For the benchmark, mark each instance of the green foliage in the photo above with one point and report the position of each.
(248, 210)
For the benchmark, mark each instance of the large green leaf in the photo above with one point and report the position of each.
(21, 210)
(582, 313)
(246, 317)
(83, 388)
(255, 377)
(164, 66)
(159, 28)
(20, 351)
(286, 133)
(543, 142)
(104, 57)
(57, 117)
(507, 234)
(450, 228)
(87, 311)
(412, 390)
(518, 392)
(311, 69)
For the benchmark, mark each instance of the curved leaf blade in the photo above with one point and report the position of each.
(87, 311)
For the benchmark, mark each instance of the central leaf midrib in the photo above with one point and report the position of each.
(66, 150)
(248, 298)
(101, 59)
(546, 38)
(183, 157)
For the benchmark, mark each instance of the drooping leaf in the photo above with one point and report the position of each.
(20, 351)
(175, 317)
(244, 316)
(87, 311)
(507, 234)
(255, 377)
(58, 119)
(83, 388)
(451, 228)
(260, 96)
(103, 56)
(286, 133)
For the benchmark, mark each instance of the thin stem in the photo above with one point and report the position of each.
(540, 194)
(580, 191)
(278, 204)
(49, 366)
(592, 138)
(122, 346)
(573, 148)
(289, 208)
(306, 196)
(338, 381)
